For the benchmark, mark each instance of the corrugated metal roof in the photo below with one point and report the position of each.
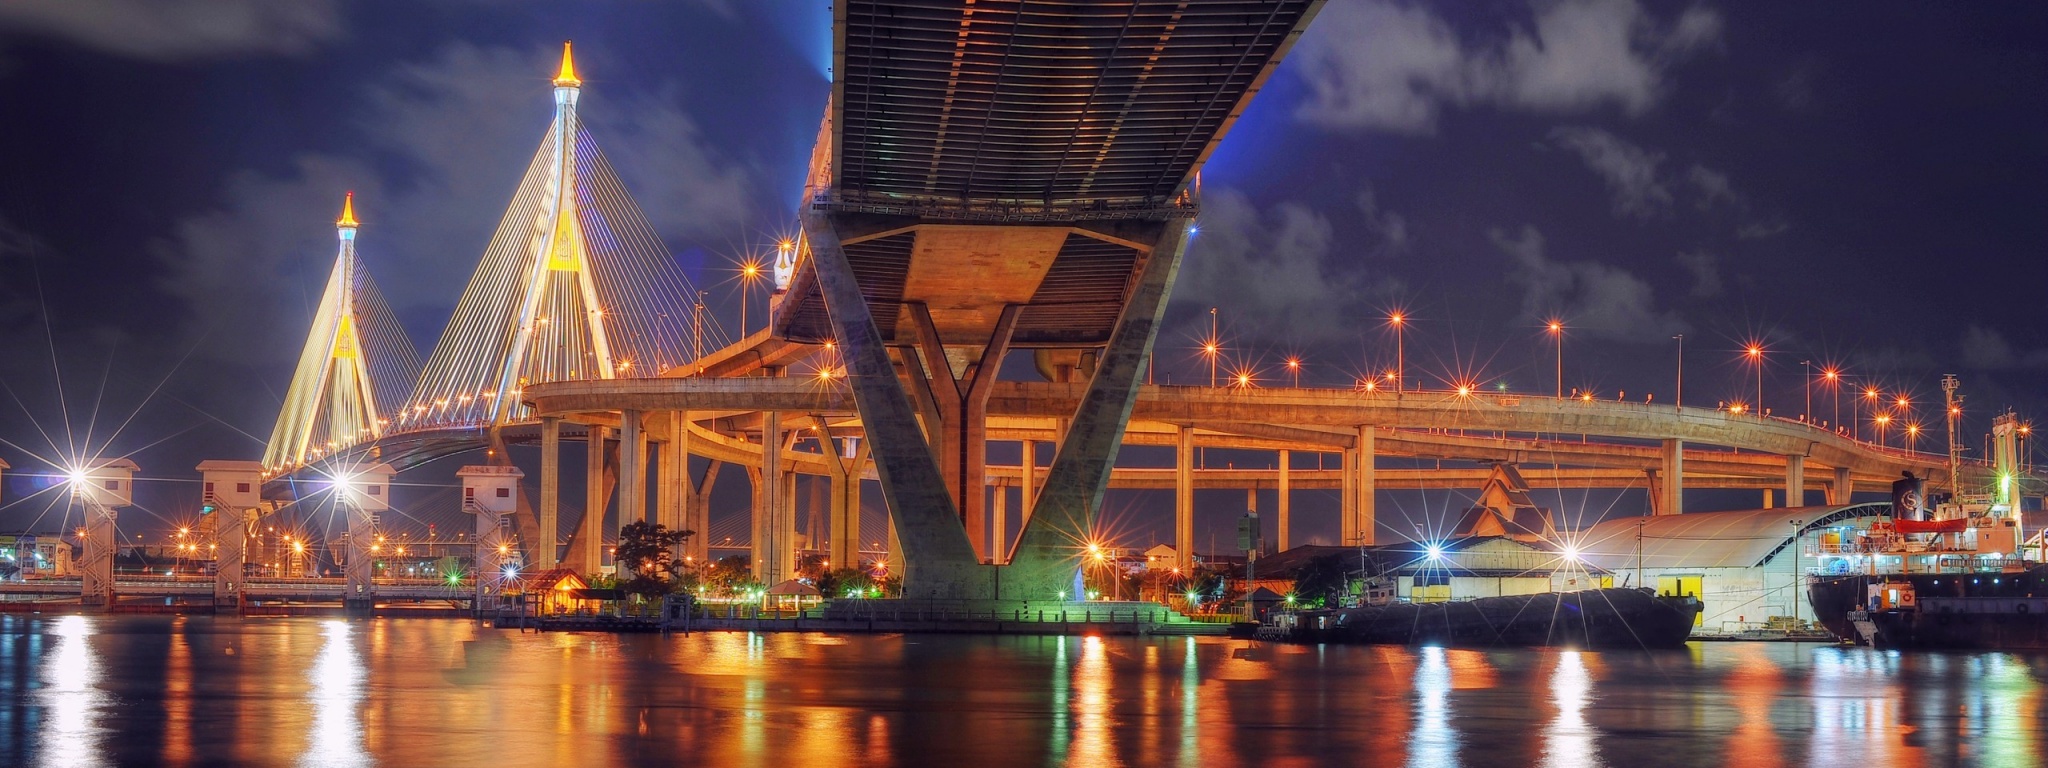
(1738, 539)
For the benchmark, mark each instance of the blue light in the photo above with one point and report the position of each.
(1435, 552)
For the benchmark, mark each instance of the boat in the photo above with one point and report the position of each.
(1954, 576)
(1594, 618)
(1956, 582)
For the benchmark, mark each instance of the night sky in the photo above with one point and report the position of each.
(1853, 184)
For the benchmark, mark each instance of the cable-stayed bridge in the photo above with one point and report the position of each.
(1015, 177)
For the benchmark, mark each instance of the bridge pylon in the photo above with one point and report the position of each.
(575, 285)
(356, 365)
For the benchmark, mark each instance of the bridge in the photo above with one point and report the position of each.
(991, 180)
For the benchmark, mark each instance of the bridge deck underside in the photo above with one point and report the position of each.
(1051, 102)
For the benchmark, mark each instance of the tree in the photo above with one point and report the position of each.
(647, 551)
(1321, 581)
(845, 582)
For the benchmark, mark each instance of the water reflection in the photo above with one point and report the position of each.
(71, 701)
(336, 698)
(1569, 741)
(1432, 743)
(128, 690)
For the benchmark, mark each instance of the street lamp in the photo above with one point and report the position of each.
(1882, 420)
(1557, 330)
(1399, 321)
(750, 273)
(1806, 368)
(1679, 401)
(1869, 394)
(1834, 378)
(1212, 347)
(1912, 436)
(1294, 369)
(1755, 353)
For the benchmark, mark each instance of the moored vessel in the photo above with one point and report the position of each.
(1594, 618)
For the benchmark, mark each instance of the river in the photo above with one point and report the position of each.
(143, 690)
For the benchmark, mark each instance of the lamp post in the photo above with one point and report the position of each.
(1806, 377)
(750, 272)
(1755, 353)
(1212, 347)
(1399, 321)
(1869, 394)
(1882, 420)
(1557, 330)
(1679, 401)
(1294, 368)
(1912, 437)
(1834, 378)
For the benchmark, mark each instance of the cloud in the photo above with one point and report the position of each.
(451, 136)
(179, 29)
(1389, 226)
(1987, 349)
(1273, 269)
(1393, 66)
(1630, 171)
(1706, 273)
(1599, 300)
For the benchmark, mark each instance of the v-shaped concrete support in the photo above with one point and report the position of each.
(1049, 549)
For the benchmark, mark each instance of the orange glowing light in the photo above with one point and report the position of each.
(1556, 327)
(1755, 351)
(1396, 318)
(1832, 374)
(1588, 397)
(1464, 390)
(1870, 393)
(1902, 402)
(1294, 362)
(348, 211)
(567, 78)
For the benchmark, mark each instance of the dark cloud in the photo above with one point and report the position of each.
(1630, 171)
(1987, 349)
(1706, 273)
(179, 29)
(1596, 299)
(1396, 66)
(1276, 270)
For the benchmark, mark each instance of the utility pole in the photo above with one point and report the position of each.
(1806, 367)
(1949, 385)
(1795, 572)
(1639, 552)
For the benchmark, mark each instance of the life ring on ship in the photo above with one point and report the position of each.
(2023, 608)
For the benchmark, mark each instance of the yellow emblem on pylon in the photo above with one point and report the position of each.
(345, 339)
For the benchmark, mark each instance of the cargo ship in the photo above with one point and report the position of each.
(1953, 576)
(1596, 618)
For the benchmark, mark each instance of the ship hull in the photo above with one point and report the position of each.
(1600, 618)
(1959, 611)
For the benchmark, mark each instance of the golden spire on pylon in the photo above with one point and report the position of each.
(567, 77)
(348, 212)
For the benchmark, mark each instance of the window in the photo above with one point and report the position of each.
(504, 493)
(469, 493)
(113, 485)
(209, 489)
(376, 490)
(239, 488)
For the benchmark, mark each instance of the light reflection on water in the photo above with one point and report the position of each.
(198, 691)
(71, 700)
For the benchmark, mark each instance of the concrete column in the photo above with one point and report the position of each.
(1795, 481)
(672, 491)
(1768, 499)
(361, 499)
(999, 525)
(1027, 483)
(590, 533)
(632, 470)
(1284, 505)
(1347, 495)
(1071, 499)
(941, 560)
(544, 551)
(1843, 488)
(773, 531)
(1184, 499)
(697, 514)
(1672, 477)
(1359, 527)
